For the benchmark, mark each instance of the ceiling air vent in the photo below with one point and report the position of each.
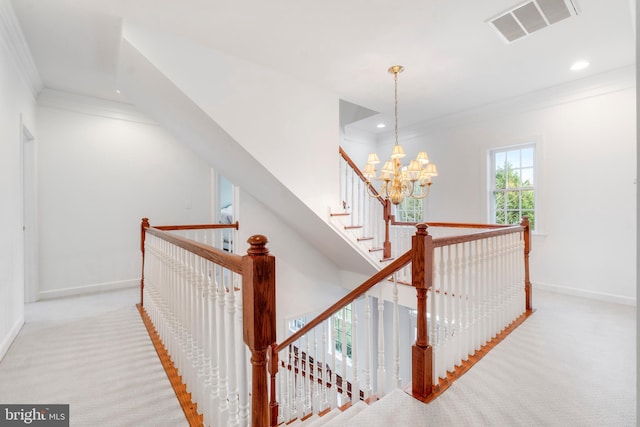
(531, 16)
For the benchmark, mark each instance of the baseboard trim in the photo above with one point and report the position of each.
(13, 333)
(600, 296)
(88, 289)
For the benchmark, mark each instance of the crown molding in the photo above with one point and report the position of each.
(13, 38)
(92, 106)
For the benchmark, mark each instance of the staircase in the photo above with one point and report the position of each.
(396, 408)
(360, 238)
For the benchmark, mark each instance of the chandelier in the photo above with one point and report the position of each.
(400, 181)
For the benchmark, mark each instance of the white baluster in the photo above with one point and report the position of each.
(312, 376)
(243, 368)
(343, 348)
(230, 305)
(326, 376)
(368, 347)
(381, 372)
(396, 337)
(317, 375)
(333, 399)
(435, 315)
(222, 353)
(299, 379)
(355, 382)
(288, 386)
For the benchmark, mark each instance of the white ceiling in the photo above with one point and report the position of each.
(453, 59)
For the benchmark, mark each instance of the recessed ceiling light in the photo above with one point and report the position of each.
(381, 125)
(117, 90)
(580, 65)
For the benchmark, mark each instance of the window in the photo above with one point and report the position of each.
(410, 210)
(342, 323)
(513, 185)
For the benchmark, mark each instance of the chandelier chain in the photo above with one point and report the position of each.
(395, 78)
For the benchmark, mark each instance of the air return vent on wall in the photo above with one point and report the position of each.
(531, 16)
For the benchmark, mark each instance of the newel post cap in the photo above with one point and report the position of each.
(257, 245)
(422, 228)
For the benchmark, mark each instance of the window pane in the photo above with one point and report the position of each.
(528, 201)
(513, 200)
(513, 217)
(500, 160)
(500, 179)
(513, 158)
(528, 214)
(527, 177)
(527, 157)
(499, 200)
(500, 217)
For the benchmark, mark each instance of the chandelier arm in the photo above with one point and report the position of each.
(424, 194)
(371, 191)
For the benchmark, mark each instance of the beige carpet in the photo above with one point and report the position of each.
(573, 363)
(93, 353)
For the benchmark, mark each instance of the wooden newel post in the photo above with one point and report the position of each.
(273, 371)
(386, 247)
(527, 249)
(143, 228)
(422, 279)
(259, 320)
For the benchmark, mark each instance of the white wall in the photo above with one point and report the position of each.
(17, 109)
(306, 280)
(104, 166)
(290, 127)
(586, 133)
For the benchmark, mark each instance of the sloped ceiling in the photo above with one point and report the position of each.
(454, 60)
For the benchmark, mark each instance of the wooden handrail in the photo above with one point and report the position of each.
(235, 225)
(230, 261)
(395, 265)
(450, 224)
(358, 172)
(454, 240)
(144, 226)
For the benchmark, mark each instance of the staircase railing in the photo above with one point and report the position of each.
(316, 381)
(191, 293)
(367, 210)
(470, 290)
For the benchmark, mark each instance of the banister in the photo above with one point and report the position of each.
(235, 225)
(358, 172)
(454, 240)
(450, 224)
(230, 261)
(397, 264)
(386, 204)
